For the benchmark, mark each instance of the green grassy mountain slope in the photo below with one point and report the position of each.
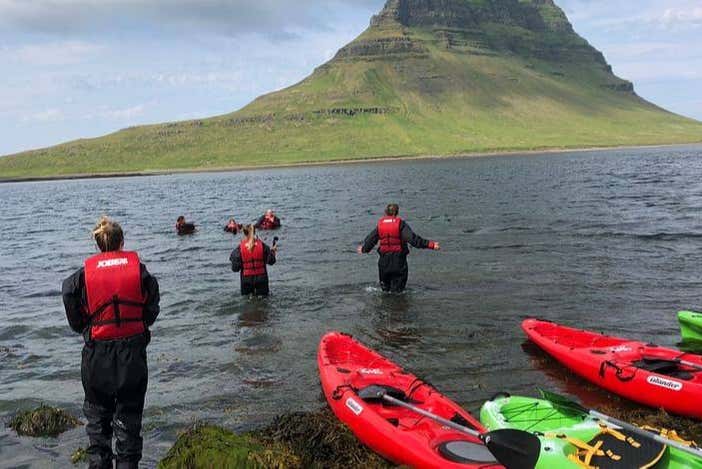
(428, 77)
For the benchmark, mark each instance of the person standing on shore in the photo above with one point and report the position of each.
(394, 234)
(112, 301)
(250, 258)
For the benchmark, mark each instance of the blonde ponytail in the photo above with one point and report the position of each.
(108, 235)
(250, 233)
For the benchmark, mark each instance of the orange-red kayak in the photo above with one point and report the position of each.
(655, 376)
(400, 435)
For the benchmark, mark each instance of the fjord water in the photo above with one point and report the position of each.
(608, 240)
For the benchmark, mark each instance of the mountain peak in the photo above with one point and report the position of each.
(530, 29)
(532, 15)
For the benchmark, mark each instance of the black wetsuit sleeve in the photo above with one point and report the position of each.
(277, 222)
(413, 239)
(370, 241)
(269, 255)
(235, 259)
(149, 286)
(259, 222)
(73, 293)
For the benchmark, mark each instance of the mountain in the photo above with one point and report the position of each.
(428, 77)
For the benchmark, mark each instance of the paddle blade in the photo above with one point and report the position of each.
(563, 402)
(514, 449)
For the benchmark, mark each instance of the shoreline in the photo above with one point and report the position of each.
(350, 161)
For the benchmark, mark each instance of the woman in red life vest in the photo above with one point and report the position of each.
(112, 301)
(394, 234)
(268, 221)
(250, 258)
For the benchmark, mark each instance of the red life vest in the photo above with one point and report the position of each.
(390, 235)
(253, 263)
(269, 223)
(115, 299)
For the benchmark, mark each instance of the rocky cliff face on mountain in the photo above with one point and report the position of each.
(527, 28)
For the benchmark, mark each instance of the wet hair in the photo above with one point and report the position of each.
(108, 235)
(250, 235)
(180, 219)
(392, 210)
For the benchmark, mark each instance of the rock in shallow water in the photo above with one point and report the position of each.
(44, 421)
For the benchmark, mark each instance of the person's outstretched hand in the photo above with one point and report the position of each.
(359, 249)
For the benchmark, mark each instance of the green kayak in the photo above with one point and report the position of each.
(690, 325)
(574, 440)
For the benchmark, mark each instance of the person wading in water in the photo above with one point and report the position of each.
(250, 258)
(112, 301)
(394, 234)
(268, 221)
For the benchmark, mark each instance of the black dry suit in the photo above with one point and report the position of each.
(254, 281)
(392, 266)
(115, 377)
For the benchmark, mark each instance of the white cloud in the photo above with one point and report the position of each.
(49, 115)
(126, 113)
(273, 18)
(676, 17)
(52, 53)
(121, 114)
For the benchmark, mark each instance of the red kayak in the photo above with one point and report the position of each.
(346, 368)
(655, 376)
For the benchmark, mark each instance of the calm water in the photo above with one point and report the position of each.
(607, 240)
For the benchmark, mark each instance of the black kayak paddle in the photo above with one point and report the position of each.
(514, 449)
(564, 403)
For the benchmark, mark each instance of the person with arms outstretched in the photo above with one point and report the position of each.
(112, 301)
(394, 235)
(250, 258)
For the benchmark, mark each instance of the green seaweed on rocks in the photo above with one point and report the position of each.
(208, 446)
(686, 428)
(321, 441)
(44, 421)
(291, 441)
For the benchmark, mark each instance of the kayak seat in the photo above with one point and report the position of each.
(465, 452)
(664, 367)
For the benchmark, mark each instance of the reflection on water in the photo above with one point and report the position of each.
(604, 240)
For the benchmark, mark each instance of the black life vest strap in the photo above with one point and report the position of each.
(115, 302)
(114, 321)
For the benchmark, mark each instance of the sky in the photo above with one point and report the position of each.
(83, 68)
